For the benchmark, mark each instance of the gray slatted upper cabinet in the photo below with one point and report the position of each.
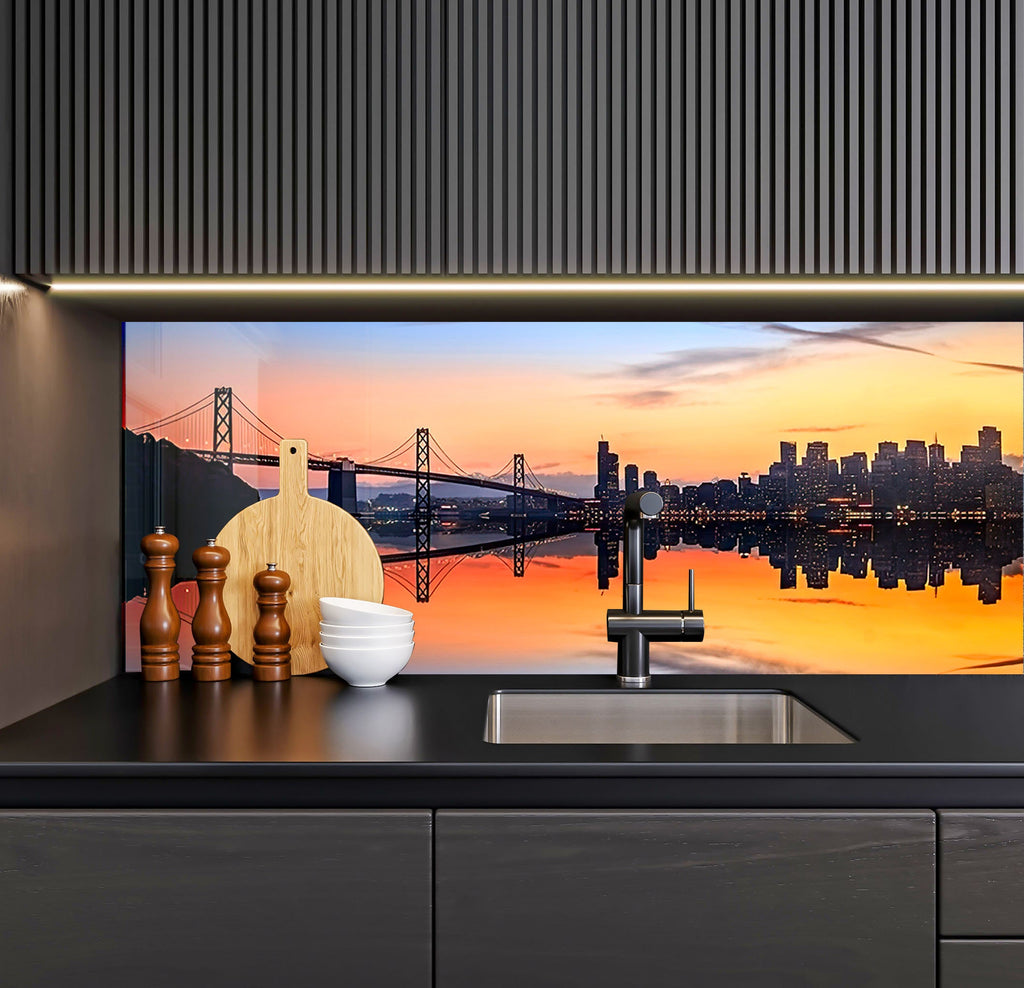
(441, 138)
(168, 899)
(731, 898)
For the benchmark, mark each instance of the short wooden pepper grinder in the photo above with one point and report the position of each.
(271, 652)
(160, 621)
(211, 626)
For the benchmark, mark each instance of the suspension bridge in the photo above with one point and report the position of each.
(221, 427)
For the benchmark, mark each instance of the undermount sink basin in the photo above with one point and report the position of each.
(655, 717)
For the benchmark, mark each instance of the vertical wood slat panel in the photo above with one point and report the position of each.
(515, 136)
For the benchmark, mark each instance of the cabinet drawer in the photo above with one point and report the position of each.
(981, 963)
(981, 873)
(601, 899)
(184, 899)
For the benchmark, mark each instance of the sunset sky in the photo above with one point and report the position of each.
(692, 401)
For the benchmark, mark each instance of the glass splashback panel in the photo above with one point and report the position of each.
(849, 495)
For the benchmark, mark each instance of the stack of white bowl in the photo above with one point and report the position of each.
(362, 642)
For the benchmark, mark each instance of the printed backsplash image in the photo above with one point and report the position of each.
(849, 495)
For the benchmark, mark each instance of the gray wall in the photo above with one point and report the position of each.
(555, 136)
(60, 501)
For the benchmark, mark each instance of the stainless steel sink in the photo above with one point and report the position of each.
(655, 717)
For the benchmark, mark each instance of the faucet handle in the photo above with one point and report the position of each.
(691, 607)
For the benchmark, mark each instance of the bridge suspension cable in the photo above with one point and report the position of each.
(443, 455)
(448, 566)
(269, 428)
(504, 470)
(404, 582)
(396, 452)
(175, 416)
(272, 438)
(196, 427)
(532, 476)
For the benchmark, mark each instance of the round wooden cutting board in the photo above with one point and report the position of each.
(324, 549)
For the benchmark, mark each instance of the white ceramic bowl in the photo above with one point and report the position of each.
(363, 666)
(344, 610)
(367, 631)
(373, 641)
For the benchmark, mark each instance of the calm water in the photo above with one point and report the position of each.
(907, 599)
(914, 598)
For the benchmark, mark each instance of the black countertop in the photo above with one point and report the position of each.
(921, 741)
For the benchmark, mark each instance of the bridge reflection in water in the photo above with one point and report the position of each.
(927, 599)
(525, 583)
(795, 599)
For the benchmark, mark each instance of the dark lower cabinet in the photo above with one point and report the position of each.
(606, 898)
(981, 963)
(176, 899)
(982, 868)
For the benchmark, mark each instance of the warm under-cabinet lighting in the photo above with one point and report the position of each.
(516, 285)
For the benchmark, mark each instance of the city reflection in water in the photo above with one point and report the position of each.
(883, 598)
(923, 597)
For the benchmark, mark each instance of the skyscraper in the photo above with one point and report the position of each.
(632, 477)
(916, 453)
(817, 452)
(815, 475)
(990, 441)
(854, 473)
(607, 486)
(936, 454)
(787, 454)
(854, 465)
(651, 480)
(972, 456)
(887, 451)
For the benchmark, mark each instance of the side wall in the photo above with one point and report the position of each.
(6, 138)
(60, 497)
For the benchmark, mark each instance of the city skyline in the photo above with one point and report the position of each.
(706, 399)
(647, 477)
(919, 477)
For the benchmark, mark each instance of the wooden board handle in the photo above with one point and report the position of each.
(294, 457)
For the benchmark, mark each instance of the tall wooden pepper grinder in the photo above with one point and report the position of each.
(160, 621)
(271, 652)
(211, 626)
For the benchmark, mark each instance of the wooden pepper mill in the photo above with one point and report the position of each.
(211, 626)
(271, 652)
(160, 621)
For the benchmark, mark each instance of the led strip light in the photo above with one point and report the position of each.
(554, 285)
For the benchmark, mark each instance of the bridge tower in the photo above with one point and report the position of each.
(519, 482)
(421, 516)
(223, 440)
(341, 485)
(519, 513)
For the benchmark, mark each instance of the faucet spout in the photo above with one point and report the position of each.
(640, 505)
(633, 628)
